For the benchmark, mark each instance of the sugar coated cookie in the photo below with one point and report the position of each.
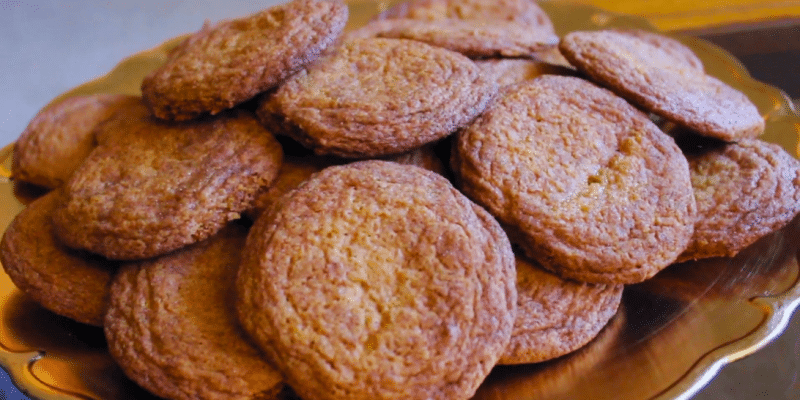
(226, 64)
(172, 327)
(556, 316)
(379, 280)
(377, 97)
(744, 191)
(70, 283)
(586, 184)
(511, 28)
(663, 79)
(60, 137)
(155, 186)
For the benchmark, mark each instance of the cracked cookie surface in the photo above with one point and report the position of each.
(512, 28)
(225, 64)
(60, 137)
(379, 280)
(377, 97)
(154, 186)
(585, 183)
(556, 316)
(172, 327)
(69, 283)
(662, 78)
(744, 191)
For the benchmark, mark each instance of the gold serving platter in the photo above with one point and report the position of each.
(671, 336)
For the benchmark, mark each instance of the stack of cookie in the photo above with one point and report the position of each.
(288, 210)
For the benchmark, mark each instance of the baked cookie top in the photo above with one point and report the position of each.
(376, 97)
(472, 38)
(475, 28)
(172, 327)
(155, 186)
(586, 184)
(297, 168)
(379, 280)
(657, 76)
(225, 64)
(556, 316)
(508, 71)
(744, 191)
(69, 283)
(525, 12)
(60, 136)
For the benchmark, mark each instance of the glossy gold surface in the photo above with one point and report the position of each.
(672, 333)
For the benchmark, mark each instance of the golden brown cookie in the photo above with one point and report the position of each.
(586, 184)
(60, 137)
(379, 280)
(294, 171)
(556, 316)
(663, 80)
(474, 40)
(524, 12)
(377, 97)
(744, 191)
(70, 283)
(508, 71)
(172, 327)
(226, 64)
(155, 186)
(297, 168)
(475, 28)
(426, 157)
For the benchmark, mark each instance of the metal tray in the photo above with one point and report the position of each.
(672, 335)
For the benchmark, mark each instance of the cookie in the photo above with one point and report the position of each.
(524, 12)
(226, 64)
(744, 191)
(156, 186)
(295, 169)
(556, 316)
(378, 280)
(584, 182)
(69, 283)
(664, 81)
(378, 97)
(511, 28)
(60, 137)
(426, 157)
(508, 71)
(172, 328)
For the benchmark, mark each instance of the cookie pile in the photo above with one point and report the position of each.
(293, 210)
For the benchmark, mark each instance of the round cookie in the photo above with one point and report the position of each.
(378, 97)
(155, 186)
(379, 280)
(426, 157)
(476, 28)
(508, 71)
(744, 191)
(297, 168)
(60, 137)
(226, 64)
(556, 316)
(471, 38)
(585, 183)
(524, 12)
(172, 327)
(663, 80)
(294, 170)
(69, 283)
